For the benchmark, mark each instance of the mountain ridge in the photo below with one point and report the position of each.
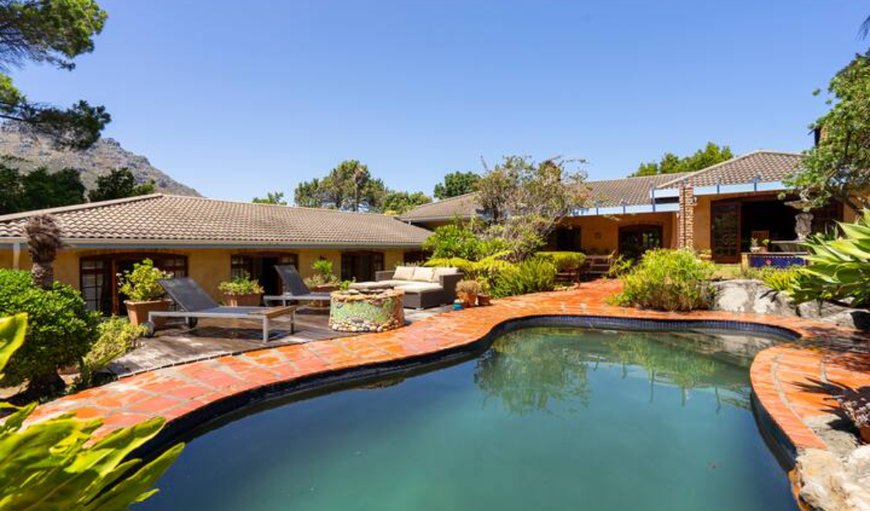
(27, 152)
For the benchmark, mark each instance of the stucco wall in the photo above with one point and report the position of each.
(600, 234)
(208, 266)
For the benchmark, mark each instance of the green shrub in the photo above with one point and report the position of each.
(117, 336)
(241, 285)
(140, 285)
(619, 266)
(58, 463)
(672, 280)
(530, 276)
(453, 240)
(61, 330)
(323, 274)
(565, 261)
(839, 269)
(780, 279)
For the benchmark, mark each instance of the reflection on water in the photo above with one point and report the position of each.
(528, 370)
(548, 418)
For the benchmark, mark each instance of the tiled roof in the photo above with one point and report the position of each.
(627, 191)
(175, 219)
(766, 166)
(463, 206)
(632, 190)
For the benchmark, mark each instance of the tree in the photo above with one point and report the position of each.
(39, 189)
(396, 203)
(524, 201)
(271, 198)
(349, 186)
(670, 163)
(52, 190)
(119, 184)
(51, 32)
(43, 242)
(837, 167)
(455, 184)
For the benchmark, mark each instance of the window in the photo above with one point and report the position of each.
(634, 240)
(361, 266)
(99, 284)
(95, 284)
(261, 267)
(565, 239)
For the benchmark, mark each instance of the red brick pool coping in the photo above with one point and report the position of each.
(786, 378)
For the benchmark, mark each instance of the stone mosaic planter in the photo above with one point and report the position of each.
(355, 311)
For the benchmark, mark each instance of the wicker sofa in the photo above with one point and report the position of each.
(423, 287)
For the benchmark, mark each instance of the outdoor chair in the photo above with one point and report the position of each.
(196, 303)
(295, 289)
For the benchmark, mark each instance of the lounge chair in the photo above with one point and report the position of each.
(196, 303)
(295, 289)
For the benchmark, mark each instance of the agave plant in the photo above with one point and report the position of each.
(839, 268)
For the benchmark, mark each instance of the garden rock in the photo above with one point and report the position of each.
(829, 483)
(751, 296)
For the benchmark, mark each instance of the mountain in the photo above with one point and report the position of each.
(27, 152)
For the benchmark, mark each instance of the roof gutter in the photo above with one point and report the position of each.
(200, 244)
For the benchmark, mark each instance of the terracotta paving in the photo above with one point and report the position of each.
(793, 383)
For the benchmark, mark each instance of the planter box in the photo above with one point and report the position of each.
(137, 312)
(247, 300)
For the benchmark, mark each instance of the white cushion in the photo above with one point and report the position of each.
(443, 270)
(418, 286)
(422, 274)
(404, 273)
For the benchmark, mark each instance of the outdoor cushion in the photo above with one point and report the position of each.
(418, 286)
(443, 270)
(404, 273)
(422, 274)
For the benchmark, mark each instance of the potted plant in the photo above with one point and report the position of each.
(143, 291)
(468, 291)
(242, 291)
(754, 246)
(323, 280)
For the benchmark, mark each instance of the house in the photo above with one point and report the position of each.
(720, 208)
(208, 240)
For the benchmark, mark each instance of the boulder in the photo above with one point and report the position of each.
(830, 483)
(859, 319)
(751, 296)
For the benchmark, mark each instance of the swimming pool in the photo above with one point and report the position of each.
(544, 418)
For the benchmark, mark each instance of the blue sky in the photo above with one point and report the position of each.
(239, 98)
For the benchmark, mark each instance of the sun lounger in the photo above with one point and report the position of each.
(196, 304)
(295, 289)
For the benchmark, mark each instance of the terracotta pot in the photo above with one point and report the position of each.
(137, 312)
(246, 300)
(484, 300)
(468, 300)
(865, 434)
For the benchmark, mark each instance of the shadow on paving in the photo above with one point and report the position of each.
(175, 344)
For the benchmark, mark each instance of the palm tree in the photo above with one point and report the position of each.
(43, 241)
(865, 28)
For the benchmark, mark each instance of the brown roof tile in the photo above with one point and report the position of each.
(177, 219)
(767, 166)
(463, 206)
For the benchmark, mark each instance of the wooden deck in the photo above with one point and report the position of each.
(176, 345)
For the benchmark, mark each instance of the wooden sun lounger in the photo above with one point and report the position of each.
(197, 304)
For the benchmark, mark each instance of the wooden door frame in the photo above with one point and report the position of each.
(739, 203)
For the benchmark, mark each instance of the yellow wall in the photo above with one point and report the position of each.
(208, 266)
(600, 234)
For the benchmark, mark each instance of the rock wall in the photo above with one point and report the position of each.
(753, 296)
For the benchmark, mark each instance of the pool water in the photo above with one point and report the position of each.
(546, 418)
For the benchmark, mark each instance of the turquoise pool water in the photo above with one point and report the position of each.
(546, 418)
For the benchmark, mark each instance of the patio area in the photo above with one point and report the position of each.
(176, 344)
